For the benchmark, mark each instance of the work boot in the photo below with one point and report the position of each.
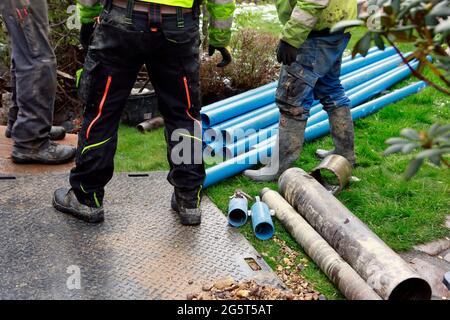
(343, 134)
(190, 213)
(65, 200)
(56, 133)
(53, 154)
(291, 135)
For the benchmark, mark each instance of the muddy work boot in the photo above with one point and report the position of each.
(56, 133)
(65, 200)
(53, 154)
(289, 144)
(343, 134)
(188, 207)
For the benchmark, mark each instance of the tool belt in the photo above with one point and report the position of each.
(140, 6)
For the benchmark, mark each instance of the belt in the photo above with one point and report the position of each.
(323, 33)
(144, 7)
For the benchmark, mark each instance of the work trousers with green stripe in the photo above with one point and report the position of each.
(116, 54)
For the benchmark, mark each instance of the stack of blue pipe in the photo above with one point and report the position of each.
(243, 128)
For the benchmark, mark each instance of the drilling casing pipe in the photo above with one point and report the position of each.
(383, 269)
(347, 280)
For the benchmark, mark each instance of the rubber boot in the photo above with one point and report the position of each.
(53, 154)
(343, 134)
(289, 144)
(65, 200)
(188, 206)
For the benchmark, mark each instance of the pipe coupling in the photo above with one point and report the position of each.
(334, 173)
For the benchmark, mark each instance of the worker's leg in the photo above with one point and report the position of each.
(294, 98)
(174, 71)
(14, 109)
(109, 74)
(335, 102)
(35, 73)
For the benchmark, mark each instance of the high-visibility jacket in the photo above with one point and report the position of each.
(220, 11)
(300, 17)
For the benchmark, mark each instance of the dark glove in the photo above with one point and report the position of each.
(286, 53)
(226, 55)
(86, 32)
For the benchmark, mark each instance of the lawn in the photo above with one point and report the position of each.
(401, 213)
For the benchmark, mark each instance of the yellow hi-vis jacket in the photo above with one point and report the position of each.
(220, 11)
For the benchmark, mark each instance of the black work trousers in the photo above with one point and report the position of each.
(33, 73)
(119, 49)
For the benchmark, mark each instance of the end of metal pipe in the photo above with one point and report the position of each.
(412, 289)
(151, 124)
(340, 170)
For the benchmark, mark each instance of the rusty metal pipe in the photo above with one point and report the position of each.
(151, 124)
(352, 286)
(384, 270)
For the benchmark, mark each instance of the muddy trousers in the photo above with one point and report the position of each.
(315, 75)
(34, 73)
(170, 51)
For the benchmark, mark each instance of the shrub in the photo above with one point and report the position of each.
(253, 65)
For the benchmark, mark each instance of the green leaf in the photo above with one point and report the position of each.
(413, 168)
(378, 41)
(442, 130)
(432, 153)
(342, 25)
(410, 134)
(363, 45)
(396, 148)
(442, 9)
(397, 141)
(436, 160)
(432, 131)
(408, 148)
(443, 27)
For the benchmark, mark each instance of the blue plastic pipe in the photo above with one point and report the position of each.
(366, 109)
(349, 57)
(365, 61)
(238, 212)
(262, 221)
(253, 99)
(216, 131)
(381, 84)
(238, 97)
(359, 79)
(240, 130)
(244, 145)
(238, 107)
(247, 160)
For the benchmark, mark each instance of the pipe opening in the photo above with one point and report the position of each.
(205, 120)
(411, 289)
(329, 179)
(264, 231)
(237, 218)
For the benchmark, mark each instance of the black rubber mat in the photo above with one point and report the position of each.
(140, 252)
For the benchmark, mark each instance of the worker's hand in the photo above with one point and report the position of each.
(286, 53)
(86, 32)
(226, 55)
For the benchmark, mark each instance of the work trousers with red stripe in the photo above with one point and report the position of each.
(116, 54)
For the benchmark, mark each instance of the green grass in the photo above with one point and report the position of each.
(401, 213)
